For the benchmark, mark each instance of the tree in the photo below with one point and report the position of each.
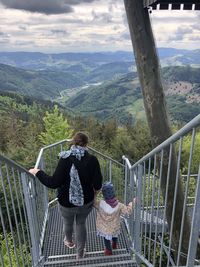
(56, 127)
(155, 107)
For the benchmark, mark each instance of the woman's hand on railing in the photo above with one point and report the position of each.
(34, 171)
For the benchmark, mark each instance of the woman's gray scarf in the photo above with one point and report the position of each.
(76, 196)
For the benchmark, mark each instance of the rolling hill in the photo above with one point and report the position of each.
(122, 98)
(39, 84)
(69, 79)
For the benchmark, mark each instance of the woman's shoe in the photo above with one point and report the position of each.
(79, 257)
(69, 244)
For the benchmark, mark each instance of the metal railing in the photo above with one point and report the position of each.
(15, 233)
(24, 204)
(165, 223)
(153, 181)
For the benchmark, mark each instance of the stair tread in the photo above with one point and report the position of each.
(96, 259)
(81, 263)
(88, 253)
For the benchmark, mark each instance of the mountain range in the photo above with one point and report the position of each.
(102, 84)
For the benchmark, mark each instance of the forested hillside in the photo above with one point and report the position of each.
(103, 85)
(28, 124)
(122, 98)
(40, 84)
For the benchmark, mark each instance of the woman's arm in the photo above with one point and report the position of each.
(97, 176)
(57, 179)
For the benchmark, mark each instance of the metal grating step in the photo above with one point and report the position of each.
(127, 263)
(56, 254)
(91, 260)
(93, 254)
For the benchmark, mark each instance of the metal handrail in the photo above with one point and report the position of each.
(47, 147)
(183, 131)
(151, 203)
(69, 140)
(14, 164)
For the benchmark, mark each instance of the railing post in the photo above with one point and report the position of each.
(31, 221)
(194, 233)
(126, 179)
(110, 171)
(131, 220)
(137, 240)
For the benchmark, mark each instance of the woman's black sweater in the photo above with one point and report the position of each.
(89, 174)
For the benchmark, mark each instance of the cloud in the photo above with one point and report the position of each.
(21, 27)
(101, 17)
(47, 7)
(59, 32)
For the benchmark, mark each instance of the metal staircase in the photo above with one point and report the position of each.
(31, 227)
(56, 254)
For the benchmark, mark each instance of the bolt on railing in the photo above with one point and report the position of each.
(165, 224)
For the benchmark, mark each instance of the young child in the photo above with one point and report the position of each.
(109, 211)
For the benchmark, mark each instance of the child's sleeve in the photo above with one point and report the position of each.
(127, 210)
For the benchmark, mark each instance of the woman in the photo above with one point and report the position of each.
(78, 178)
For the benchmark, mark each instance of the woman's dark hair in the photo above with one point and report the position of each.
(80, 139)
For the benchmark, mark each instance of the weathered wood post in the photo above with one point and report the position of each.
(155, 107)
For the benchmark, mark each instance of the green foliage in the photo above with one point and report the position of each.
(56, 127)
(11, 256)
(155, 250)
(186, 154)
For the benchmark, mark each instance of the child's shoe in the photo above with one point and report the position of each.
(114, 245)
(107, 252)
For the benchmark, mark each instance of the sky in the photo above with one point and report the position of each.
(57, 26)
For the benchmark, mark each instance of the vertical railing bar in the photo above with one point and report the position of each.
(141, 208)
(165, 201)
(175, 197)
(24, 209)
(143, 201)
(152, 200)
(110, 171)
(136, 203)
(5, 236)
(32, 225)
(33, 197)
(186, 192)
(158, 205)
(132, 186)
(14, 211)
(138, 214)
(1, 260)
(126, 177)
(145, 218)
(194, 234)
(20, 216)
(51, 157)
(61, 147)
(45, 203)
(46, 209)
(9, 218)
(107, 169)
(147, 209)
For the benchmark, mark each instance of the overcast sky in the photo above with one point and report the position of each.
(54, 26)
